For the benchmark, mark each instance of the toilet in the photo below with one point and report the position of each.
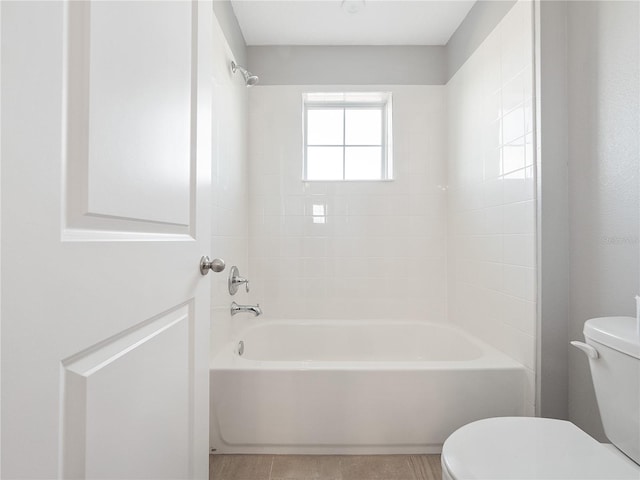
(514, 448)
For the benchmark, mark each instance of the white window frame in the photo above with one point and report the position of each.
(383, 104)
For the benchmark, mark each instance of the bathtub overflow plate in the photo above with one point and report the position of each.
(240, 348)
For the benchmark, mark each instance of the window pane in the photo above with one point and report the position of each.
(324, 163)
(364, 126)
(324, 127)
(363, 163)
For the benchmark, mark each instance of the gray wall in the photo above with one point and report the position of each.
(348, 65)
(553, 208)
(477, 25)
(588, 119)
(604, 151)
(231, 29)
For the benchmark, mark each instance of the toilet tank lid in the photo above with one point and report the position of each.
(618, 333)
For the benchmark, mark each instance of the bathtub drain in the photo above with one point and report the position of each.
(240, 347)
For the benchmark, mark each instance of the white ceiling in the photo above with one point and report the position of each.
(329, 22)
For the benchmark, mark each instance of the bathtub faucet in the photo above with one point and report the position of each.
(255, 309)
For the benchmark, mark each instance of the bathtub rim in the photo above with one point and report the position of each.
(490, 358)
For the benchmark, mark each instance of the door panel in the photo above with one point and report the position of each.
(132, 96)
(150, 366)
(105, 215)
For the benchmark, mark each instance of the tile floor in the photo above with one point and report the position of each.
(324, 467)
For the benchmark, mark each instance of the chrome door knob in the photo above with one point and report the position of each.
(206, 264)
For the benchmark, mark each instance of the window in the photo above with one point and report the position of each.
(347, 136)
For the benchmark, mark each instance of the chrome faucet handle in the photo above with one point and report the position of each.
(239, 281)
(253, 309)
(235, 280)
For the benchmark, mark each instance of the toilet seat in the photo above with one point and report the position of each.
(514, 448)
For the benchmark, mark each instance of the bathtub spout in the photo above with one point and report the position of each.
(255, 309)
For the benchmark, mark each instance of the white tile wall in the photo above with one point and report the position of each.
(230, 186)
(379, 250)
(452, 237)
(492, 192)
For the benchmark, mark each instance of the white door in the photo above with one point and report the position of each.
(106, 146)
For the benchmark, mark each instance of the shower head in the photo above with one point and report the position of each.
(249, 79)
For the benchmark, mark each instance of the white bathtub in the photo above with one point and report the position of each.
(356, 387)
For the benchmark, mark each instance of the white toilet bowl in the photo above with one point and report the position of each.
(519, 448)
(514, 448)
